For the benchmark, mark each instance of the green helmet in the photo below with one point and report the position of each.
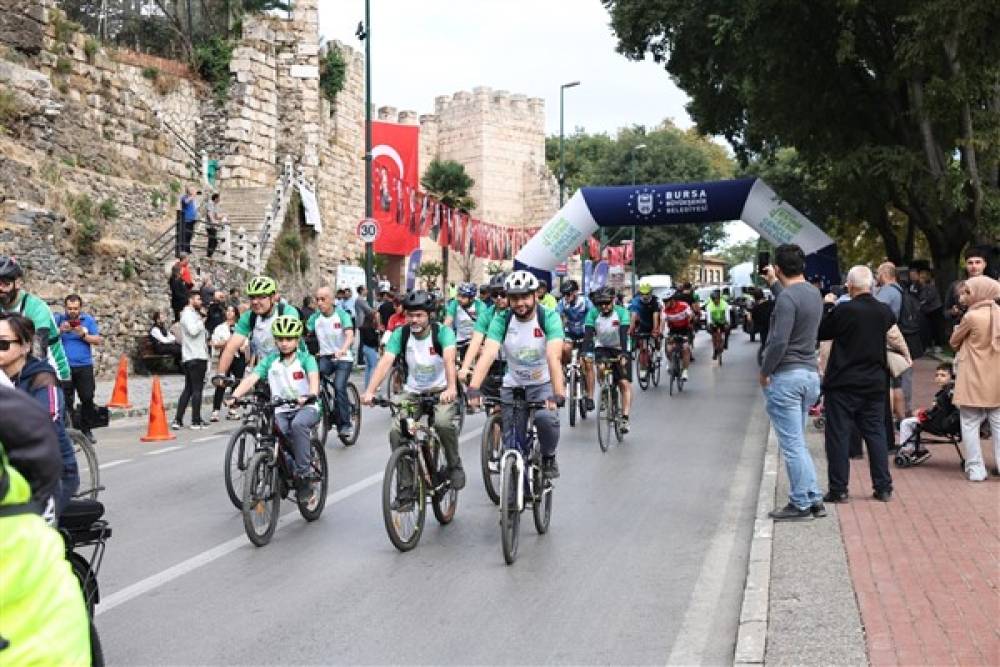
(286, 326)
(262, 286)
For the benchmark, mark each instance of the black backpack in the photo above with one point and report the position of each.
(435, 343)
(909, 314)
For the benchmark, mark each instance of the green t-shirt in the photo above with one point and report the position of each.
(717, 313)
(607, 329)
(524, 346)
(331, 331)
(261, 340)
(425, 368)
(549, 301)
(464, 320)
(36, 310)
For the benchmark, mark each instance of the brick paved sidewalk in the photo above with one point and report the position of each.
(926, 566)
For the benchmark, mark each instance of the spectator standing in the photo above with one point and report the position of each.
(220, 336)
(398, 317)
(216, 310)
(789, 377)
(194, 362)
(933, 308)
(234, 298)
(891, 293)
(79, 333)
(855, 384)
(977, 388)
(349, 303)
(207, 289)
(975, 266)
(213, 220)
(368, 334)
(362, 313)
(385, 310)
(189, 216)
(305, 313)
(178, 291)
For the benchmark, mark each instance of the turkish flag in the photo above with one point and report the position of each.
(394, 168)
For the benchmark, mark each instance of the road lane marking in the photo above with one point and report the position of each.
(210, 437)
(162, 451)
(112, 464)
(197, 561)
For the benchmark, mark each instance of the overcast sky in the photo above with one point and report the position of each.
(436, 47)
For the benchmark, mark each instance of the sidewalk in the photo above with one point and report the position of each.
(912, 581)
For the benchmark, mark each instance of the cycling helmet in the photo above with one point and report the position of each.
(716, 294)
(497, 284)
(521, 282)
(418, 300)
(262, 286)
(602, 296)
(467, 289)
(286, 326)
(569, 286)
(9, 268)
(645, 288)
(669, 294)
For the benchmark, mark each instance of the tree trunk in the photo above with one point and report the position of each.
(879, 219)
(911, 238)
(444, 265)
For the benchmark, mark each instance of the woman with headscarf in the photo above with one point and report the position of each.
(977, 389)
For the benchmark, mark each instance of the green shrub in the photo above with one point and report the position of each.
(332, 72)
(69, 160)
(88, 234)
(211, 60)
(175, 186)
(81, 208)
(151, 73)
(10, 109)
(156, 198)
(63, 65)
(108, 209)
(64, 28)
(90, 47)
(63, 88)
(50, 172)
(128, 270)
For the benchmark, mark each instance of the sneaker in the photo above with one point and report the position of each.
(304, 491)
(589, 404)
(885, 495)
(715, 355)
(818, 509)
(835, 497)
(197, 426)
(214, 417)
(791, 513)
(976, 473)
(403, 502)
(346, 433)
(684, 375)
(176, 426)
(456, 475)
(550, 469)
(624, 426)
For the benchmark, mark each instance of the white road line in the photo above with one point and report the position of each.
(112, 464)
(162, 451)
(210, 437)
(153, 582)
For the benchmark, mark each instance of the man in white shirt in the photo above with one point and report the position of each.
(194, 361)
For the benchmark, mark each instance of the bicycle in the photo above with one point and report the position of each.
(521, 479)
(242, 444)
(491, 449)
(397, 385)
(719, 334)
(677, 342)
(576, 394)
(647, 361)
(88, 467)
(82, 525)
(269, 478)
(328, 411)
(416, 471)
(609, 410)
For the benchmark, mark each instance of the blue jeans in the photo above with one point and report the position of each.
(341, 372)
(371, 361)
(788, 398)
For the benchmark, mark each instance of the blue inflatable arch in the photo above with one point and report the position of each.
(748, 199)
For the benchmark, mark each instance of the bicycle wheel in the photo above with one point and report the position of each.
(461, 405)
(541, 505)
(617, 412)
(354, 399)
(571, 398)
(490, 448)
(261, 500)
(656, 370)
(444, 500)
(604, 418)
(403, 508)
(642, 370)
(327, 412)
(510, 516)
(321, 481)
(86, 461)
(240, 448)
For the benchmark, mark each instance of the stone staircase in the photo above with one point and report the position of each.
(246, 209)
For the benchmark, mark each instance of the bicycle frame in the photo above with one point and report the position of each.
(411, 426)
(517, 452)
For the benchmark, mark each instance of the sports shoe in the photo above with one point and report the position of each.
(304, 491)
(791, 513)
(456, 475)
(403, 502)
(197, 426)
(589, 403)
(550, 469)
(835, 497)
(176, 426)
(885, 495)
(347, 432)
(624, 426)
(214, 417)
(684, 375)
(818, 509)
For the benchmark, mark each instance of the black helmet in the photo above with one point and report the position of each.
(497, 284)
(9, 268)
(602, 296)
(418, 300)
(569, 286)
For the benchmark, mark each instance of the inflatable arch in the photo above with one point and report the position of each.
(749, 199)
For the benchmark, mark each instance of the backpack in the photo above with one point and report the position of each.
(909, 313)
(405, 338)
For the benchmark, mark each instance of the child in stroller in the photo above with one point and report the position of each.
(941, 419)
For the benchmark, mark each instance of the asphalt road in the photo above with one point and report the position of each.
(644, 562)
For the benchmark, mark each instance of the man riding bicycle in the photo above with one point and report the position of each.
(575, 310)
(607, 328)
(531, 338)
(718, 322)
(645, 308)
(493, 381)
(255, 325)
(679, 319)
(292, 373)
(334, 331)
(462, 313)
(428, 349)
(47, 344)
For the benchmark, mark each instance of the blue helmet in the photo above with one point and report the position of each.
(467, 289)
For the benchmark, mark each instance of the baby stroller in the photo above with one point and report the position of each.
(940, 421)
(818, 414)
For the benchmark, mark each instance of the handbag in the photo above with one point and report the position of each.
(897, 363)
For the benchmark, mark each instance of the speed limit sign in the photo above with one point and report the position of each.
(368, 230)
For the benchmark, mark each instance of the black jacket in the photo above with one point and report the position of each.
(858, 360)
(30, 442)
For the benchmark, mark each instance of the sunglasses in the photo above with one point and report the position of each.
(6, 343)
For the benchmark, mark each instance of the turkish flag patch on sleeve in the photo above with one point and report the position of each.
(538, 333)
(298, 375)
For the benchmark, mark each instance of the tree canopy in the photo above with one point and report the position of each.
(671, 155)
(894, 105)
(447, 181)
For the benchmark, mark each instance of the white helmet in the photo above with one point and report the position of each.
(521, 282)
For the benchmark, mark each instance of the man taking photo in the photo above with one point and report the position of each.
(79, 333)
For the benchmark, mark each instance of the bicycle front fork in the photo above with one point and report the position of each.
(518, 468)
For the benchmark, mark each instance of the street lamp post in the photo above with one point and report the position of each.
(364, 33)
(635, 149)
(562, 170)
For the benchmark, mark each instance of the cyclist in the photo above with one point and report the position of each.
(334, 331)
(679, 320)
(461, 314)
(607, 325)
(645, 309)
(544, 296)
(256, 323)
(498, 295)
(428, 349)
(13, 299)
(575, 310)
(530, 336)
(292, 373)
(718, 322)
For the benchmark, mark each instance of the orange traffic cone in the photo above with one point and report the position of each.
(119, 397)
(158, 429)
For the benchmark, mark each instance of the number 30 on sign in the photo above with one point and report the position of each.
(368, 230)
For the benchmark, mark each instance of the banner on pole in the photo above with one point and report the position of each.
(395, 171)
(411, 268)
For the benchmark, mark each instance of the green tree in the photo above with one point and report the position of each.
(671, 155)
(447, 181)
(897, 102)
(430, 272)
(737, 253)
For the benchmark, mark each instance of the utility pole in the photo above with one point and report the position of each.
(364, 33)
(635, 149)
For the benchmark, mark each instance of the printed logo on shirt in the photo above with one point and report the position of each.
(615, 322)
(298, 375)
(336, 325)
(432, 351)
(538, 333)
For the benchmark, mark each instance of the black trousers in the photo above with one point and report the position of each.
(846, 411)
(213, 239)
(194, 385)
(81, 383)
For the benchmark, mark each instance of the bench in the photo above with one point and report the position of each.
(148, 359)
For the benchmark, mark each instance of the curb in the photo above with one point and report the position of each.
(751, 637)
